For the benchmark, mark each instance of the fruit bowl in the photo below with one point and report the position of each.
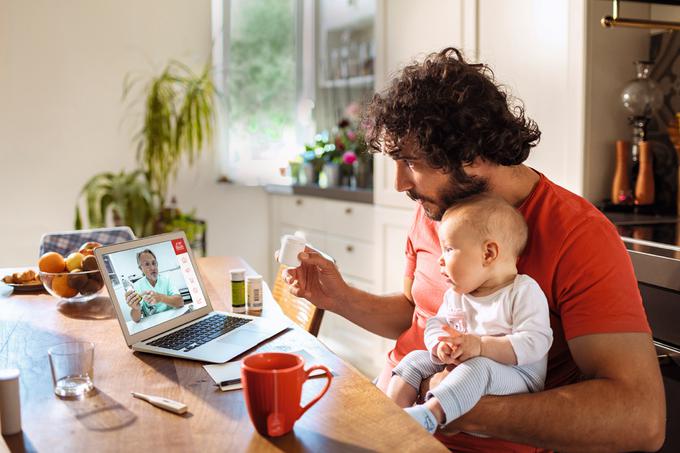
(78, 286)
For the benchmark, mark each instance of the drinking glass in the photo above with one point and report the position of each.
(72, 369)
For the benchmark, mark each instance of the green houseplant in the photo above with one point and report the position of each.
(125, 198)
(178, 121)
(179, 117)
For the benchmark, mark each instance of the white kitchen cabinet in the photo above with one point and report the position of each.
(343, 230)
(391, 229)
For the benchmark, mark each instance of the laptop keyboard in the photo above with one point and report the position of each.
(197, 334)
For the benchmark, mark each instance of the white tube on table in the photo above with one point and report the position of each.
(10, 403)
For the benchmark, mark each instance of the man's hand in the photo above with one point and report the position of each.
(317, 279)
(133, 300)
(620, 408)
(465, 345)
(152, 297)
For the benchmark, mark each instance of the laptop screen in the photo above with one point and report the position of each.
(159, 280)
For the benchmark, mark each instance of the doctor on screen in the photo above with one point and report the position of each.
(153, 293)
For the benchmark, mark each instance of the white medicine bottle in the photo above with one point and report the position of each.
(291, 247)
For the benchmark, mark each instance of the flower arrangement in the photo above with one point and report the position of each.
(344, 147)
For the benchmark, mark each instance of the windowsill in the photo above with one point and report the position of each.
(333, 193)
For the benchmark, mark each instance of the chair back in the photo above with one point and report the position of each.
(65, 242)
(299, 310)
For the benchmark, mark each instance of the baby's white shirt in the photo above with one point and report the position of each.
(518, 311)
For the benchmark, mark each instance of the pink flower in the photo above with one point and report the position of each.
(351, 135)
(349, 158)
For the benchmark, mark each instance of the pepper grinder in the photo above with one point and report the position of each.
(621, 191)
(644, 186)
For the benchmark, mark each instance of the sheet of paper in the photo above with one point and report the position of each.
(232, 370)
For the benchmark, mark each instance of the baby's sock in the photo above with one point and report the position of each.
(424, 416)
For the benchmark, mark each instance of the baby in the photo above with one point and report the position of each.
(492, 329)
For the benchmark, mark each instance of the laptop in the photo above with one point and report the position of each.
(179, 320)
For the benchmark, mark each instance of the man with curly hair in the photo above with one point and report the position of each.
(453, 133)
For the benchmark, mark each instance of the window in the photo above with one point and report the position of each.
(275, 59)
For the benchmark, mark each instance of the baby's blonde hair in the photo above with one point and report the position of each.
(492, 218)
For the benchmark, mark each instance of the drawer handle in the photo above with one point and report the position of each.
(298, 202)
(349, 249)
(348, 211)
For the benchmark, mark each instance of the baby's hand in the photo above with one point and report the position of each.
(464, 346)
(444, 352)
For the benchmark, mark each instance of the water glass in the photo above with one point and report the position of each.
(72, 369)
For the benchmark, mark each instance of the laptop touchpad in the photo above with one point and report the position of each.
(241, 336)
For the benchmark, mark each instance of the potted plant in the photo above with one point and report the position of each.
(178, 121)
(313, 159)
(179, 116)
(124, 198)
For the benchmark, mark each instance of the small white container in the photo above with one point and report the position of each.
(10, 403)
(254, 290)
(291, 246)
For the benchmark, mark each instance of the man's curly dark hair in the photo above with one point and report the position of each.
(454, 110)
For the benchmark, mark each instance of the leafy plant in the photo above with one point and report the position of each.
(178, 121)
(122, 197)
(179, 117)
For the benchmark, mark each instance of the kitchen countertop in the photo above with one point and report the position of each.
(333, 193)
(653, 244)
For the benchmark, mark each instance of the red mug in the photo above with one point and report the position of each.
(272, 384)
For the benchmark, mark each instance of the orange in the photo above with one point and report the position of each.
(60, 286)
(52, 262)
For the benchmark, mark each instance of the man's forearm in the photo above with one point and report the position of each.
(387, 316)
(583, 417)
(174, 301)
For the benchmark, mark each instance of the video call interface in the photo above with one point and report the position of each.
(164, 279)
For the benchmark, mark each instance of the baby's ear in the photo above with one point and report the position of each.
(491, 250)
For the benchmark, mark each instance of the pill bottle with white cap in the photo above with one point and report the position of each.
(254, 290)
(291, 246)
(238, 290)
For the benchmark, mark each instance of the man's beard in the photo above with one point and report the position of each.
(462, 186)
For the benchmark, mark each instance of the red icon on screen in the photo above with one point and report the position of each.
(179, 246)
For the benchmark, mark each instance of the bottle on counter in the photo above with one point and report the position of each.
(644, 185)
(621, 190)
(254, 290)
(238, 290)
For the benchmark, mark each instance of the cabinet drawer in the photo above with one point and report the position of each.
(304, 211)
(354, 258)
(353, 220)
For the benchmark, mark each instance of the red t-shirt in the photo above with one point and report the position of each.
(576, 256)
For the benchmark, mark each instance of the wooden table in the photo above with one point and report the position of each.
(353, 416)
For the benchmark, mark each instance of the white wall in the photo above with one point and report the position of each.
(530, 45)
(62, 66)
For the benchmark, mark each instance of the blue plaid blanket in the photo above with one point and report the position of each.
(65, 242)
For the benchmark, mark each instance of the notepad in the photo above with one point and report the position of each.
(231, 371)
